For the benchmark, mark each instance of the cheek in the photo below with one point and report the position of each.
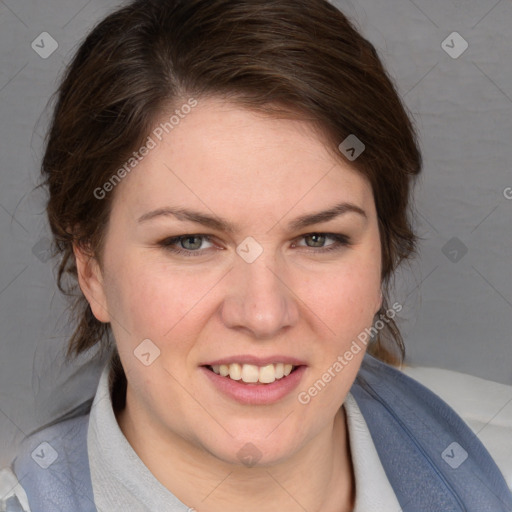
(137, 300)
(153, 304)
(345, 300)
(157, 299)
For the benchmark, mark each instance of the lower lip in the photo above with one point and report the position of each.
(256, 394)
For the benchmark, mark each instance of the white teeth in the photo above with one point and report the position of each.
(267, 374)
(251, 373)
(235, 371)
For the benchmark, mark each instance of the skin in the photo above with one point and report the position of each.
(259, 173)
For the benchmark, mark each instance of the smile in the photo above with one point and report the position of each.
(254, 384)
(251, 374)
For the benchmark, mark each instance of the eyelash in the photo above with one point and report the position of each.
(341, 241)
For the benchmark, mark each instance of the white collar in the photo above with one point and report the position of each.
(373, 490)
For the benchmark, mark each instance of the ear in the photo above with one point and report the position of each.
(91, 282)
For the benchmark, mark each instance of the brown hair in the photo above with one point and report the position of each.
(298, 58)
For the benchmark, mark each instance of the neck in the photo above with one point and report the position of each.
(319, 477)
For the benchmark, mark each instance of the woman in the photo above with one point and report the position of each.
(229, 185)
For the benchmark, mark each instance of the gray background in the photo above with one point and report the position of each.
(457, 305)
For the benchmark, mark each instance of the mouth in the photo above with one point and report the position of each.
(253, 374)
(254, 381)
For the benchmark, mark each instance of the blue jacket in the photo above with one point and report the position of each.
(432, 459)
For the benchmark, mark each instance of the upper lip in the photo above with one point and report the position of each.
(257, 361)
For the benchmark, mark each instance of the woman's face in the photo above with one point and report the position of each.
(260, 279)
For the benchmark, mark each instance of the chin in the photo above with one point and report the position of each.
(246, 451)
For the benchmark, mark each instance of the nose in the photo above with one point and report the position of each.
(258, 298)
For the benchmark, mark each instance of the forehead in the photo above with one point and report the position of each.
(222, 155)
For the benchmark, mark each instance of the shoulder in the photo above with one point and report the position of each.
(51, 467)
(484, 405)
(418, 434)
(42, 446)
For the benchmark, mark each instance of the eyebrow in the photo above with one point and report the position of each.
(220, 224)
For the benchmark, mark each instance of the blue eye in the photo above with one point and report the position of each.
(190, 244)
(320, 238)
